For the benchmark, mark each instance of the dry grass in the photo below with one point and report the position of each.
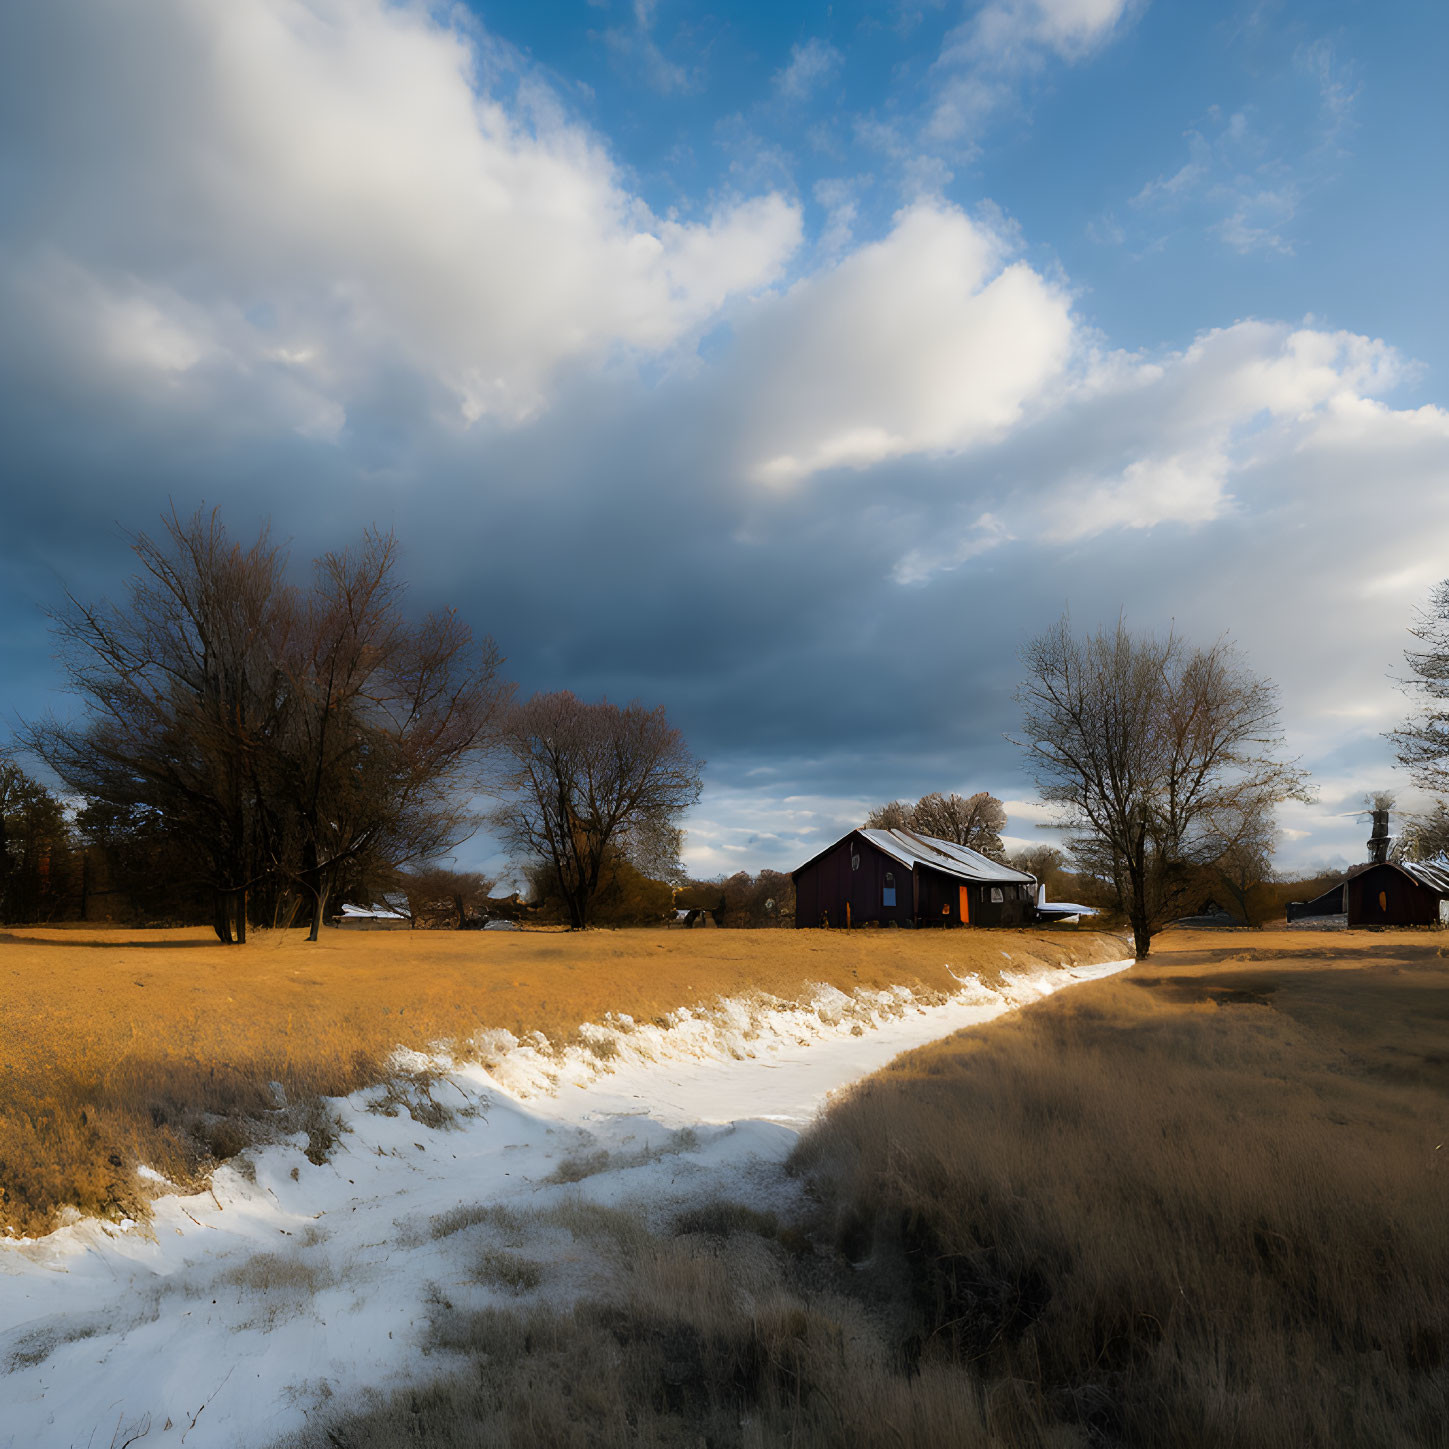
(720, 1338)
(159, 1047)
(1200, 1204)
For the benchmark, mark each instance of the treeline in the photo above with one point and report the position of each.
(249, 749)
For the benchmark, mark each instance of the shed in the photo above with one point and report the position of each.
(1409, 893)
(900, 878)
(1330, 903)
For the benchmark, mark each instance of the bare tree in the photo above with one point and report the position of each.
(975, 820)
(1151, 751)
(182, 687)
(385, 725)
(1422, 741)
(438, 896)
(587, 780)
(1424, 836)
(281, 734)
(1047, 864)
(893, 815)
(39, 863)
(1243, 866)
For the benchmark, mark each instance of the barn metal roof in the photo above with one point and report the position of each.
(1432, 873)
(943, 855)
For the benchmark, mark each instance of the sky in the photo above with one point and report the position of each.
(788, 366)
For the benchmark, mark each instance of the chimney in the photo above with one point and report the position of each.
(1378, 843)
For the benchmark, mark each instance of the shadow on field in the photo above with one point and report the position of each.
(70, 941)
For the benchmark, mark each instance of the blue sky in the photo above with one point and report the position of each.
(788, 366)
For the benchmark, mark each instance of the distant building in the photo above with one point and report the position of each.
(900, 878)
(372, 918)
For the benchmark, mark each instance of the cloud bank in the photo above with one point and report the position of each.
(348, 262)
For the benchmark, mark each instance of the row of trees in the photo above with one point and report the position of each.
(283, 734)
(263, 742)
(1163, 762)
(260, 743)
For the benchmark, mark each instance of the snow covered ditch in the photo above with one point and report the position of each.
(236, 1315)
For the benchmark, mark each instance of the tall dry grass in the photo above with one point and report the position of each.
(721, 1333)
(123, 1048)
(1201, 1204)
(1204, 1203)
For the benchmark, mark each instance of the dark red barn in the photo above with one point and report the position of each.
(896, 877)
(1412, 893)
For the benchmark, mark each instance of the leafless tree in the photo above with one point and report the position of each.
(280, 733)
(1422, 741)
(437, 896)
(1047, 864)
(586, 780)
(1243, 865)
(1423, 836)
(971, 820)
(385, 724)
(182, 687)
(893, 815)
(975, 820)
(40, 865)
(1151, 751)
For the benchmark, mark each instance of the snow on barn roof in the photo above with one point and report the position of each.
(943, 855)
(1432, 873)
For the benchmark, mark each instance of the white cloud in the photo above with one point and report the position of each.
(925, 342)
(983, 61)
(810, 64)
(335, 189)
(1247, 177)
(1135, 443)
(636, 46)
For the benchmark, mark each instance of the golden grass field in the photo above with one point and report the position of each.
(123, 1048)
(1202, 1204)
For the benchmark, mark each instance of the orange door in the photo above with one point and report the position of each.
(965, 908)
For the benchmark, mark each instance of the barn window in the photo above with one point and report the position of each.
(888, 895)
(854, 860)
(1383, 900)
(996, 895)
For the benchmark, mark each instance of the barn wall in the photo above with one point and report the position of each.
(1013, 909)
(941, 902)
(825, 887)
(1404, 901)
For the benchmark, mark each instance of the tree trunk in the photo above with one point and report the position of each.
(240, 898)
(320, 910)
(221, 916)
(1139, 915)
(577, 915)
(1141, 939)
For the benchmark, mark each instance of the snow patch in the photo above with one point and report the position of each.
(236, 1313)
